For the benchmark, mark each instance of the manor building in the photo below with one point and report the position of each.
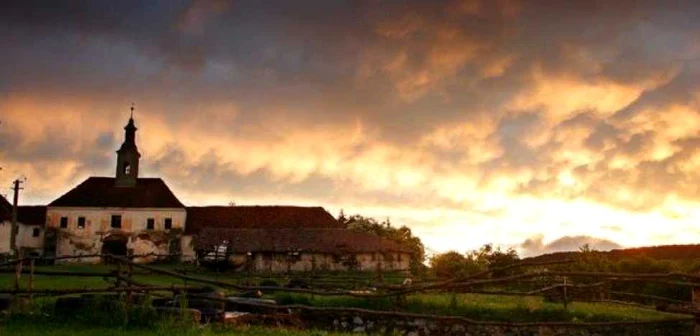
(132, 215)
(121, 215)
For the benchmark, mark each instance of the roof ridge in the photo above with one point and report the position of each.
(101, 191)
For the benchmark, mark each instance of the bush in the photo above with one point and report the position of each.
(297, 283)
(269, 283)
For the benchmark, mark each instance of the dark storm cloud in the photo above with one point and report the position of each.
(467, 105)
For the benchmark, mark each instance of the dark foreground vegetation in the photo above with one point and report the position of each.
(105, 318)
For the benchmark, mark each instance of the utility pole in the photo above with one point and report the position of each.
(13, 233)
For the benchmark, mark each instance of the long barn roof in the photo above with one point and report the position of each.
(258, 217)
(296, 240)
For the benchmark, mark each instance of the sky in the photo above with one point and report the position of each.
(537, 125)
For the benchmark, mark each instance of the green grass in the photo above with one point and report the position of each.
(60, 282)
(330, 278)
(489, 307)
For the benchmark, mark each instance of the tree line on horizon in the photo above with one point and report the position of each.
(658, 259)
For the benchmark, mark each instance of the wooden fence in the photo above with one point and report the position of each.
(126, 269)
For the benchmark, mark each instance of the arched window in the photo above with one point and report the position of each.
(127, 168)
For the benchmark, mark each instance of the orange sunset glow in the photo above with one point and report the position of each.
(537, 125)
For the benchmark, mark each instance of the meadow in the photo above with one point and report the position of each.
(474, 306)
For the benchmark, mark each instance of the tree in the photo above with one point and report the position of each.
(401, 235)
(449, 265)
(482, 259)
(341, 217)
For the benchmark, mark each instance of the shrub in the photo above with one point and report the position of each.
(269, 283)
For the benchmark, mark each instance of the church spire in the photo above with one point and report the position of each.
(128, 156)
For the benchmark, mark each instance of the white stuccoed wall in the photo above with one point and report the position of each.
(24, 236)
(5, 229)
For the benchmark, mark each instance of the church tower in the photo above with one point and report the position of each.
(128, 156)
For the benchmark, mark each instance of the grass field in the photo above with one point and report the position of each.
(7, 279)
(491, 307)
(475, 306)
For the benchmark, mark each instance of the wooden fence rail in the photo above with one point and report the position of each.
(469, 284)
(65, 291)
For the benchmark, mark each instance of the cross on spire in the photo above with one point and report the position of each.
(132, 110)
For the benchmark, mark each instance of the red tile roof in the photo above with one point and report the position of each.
(102, 192)
(299, 239)
(31, 214)
(258, 217)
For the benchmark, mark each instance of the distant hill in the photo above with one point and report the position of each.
(663, 252)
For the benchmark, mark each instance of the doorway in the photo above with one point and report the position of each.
(114, 245)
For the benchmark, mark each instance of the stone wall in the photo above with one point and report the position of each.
(187, 249)
(384, 261)
(137, 243)
(305, 262)
(416, 326)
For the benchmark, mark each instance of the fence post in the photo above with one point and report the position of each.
(119, 272)
(566, 298)
(18, 271)
(127, 304)
(216, 261)
(31, 278)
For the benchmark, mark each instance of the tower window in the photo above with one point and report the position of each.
(127, 168)
(64, 222)
(81, 222)
(35, 232)
(168, 224)
(150, 224)
(116, 221)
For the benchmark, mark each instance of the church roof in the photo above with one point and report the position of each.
(297, 239)
(258, 217)
(102, 192)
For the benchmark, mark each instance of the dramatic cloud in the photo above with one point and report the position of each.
(471, 121)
